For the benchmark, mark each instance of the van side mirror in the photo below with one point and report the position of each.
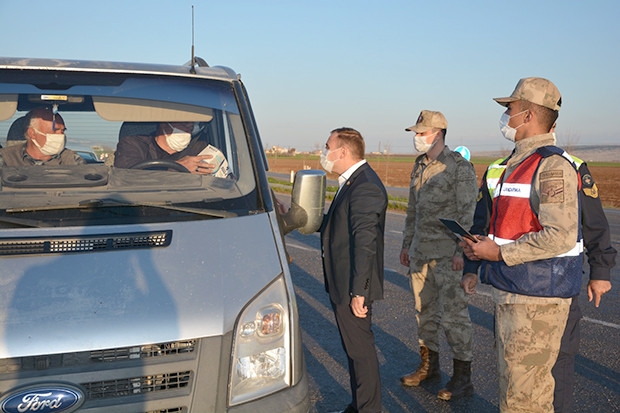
(307, 202)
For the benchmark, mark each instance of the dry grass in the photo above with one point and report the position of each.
(396, 172)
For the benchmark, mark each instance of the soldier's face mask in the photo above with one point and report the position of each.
(508, 131)
(420, 142)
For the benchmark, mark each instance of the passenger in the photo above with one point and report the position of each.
(172, 141)
(44, 143)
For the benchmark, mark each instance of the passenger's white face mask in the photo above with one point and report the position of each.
(325, 163)
(54, 143)
(508, 131)
(420, 143)
(178, 139)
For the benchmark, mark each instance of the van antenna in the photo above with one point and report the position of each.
(192, 63)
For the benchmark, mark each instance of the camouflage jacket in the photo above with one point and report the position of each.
(443, 188)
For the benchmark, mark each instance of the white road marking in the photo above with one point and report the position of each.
(603, 323)
(300, 247)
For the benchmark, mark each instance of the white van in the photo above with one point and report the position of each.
(144, 287)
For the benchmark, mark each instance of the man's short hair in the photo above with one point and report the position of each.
(353, 140)
(41, 113)
(546, 117)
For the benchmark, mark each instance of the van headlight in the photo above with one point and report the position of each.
(261, 356)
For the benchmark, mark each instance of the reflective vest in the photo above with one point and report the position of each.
(512, 216)
(496, 169)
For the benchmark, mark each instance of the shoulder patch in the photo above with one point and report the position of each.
(555, 174)
(552, 191)
(592, 191)
(587, 181)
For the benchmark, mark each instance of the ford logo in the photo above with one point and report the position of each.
(43, 399)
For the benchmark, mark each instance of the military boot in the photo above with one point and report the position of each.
(460, 384)
(428, 369)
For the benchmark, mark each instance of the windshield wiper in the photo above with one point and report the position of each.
(23, 222)
(108, 202)
(199, 211)
(163, 205)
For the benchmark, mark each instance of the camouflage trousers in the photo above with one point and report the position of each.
(440, 302)
(528, 340)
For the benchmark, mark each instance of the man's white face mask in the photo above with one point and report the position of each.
(420, 143)
(508, 131)
(178, 139)
(325, 163)
(54, 143)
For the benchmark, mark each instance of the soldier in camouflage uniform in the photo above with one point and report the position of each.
(601, 259)
(443, 185)
(533, 254)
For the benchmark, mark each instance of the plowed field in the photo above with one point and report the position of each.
(396, 173)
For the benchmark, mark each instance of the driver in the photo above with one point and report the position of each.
(172, 141)
(44, 142)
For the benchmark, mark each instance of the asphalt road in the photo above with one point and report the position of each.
(598, 363)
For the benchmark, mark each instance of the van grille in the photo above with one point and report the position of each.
(126, 372)
(135, 385)
(52, 361)
(140, 352)
(85, 243)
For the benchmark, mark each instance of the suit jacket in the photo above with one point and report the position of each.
(352, 239)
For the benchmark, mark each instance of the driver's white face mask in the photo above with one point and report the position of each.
(177, 139)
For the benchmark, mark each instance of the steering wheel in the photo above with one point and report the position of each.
(160, 163)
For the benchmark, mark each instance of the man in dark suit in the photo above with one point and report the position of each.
(352, 246)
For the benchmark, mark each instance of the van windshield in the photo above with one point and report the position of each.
(137, 149)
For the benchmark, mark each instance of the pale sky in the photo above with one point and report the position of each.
(313, 66)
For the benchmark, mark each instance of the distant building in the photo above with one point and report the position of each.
(278, 150)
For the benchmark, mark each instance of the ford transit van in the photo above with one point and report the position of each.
(144, 287)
